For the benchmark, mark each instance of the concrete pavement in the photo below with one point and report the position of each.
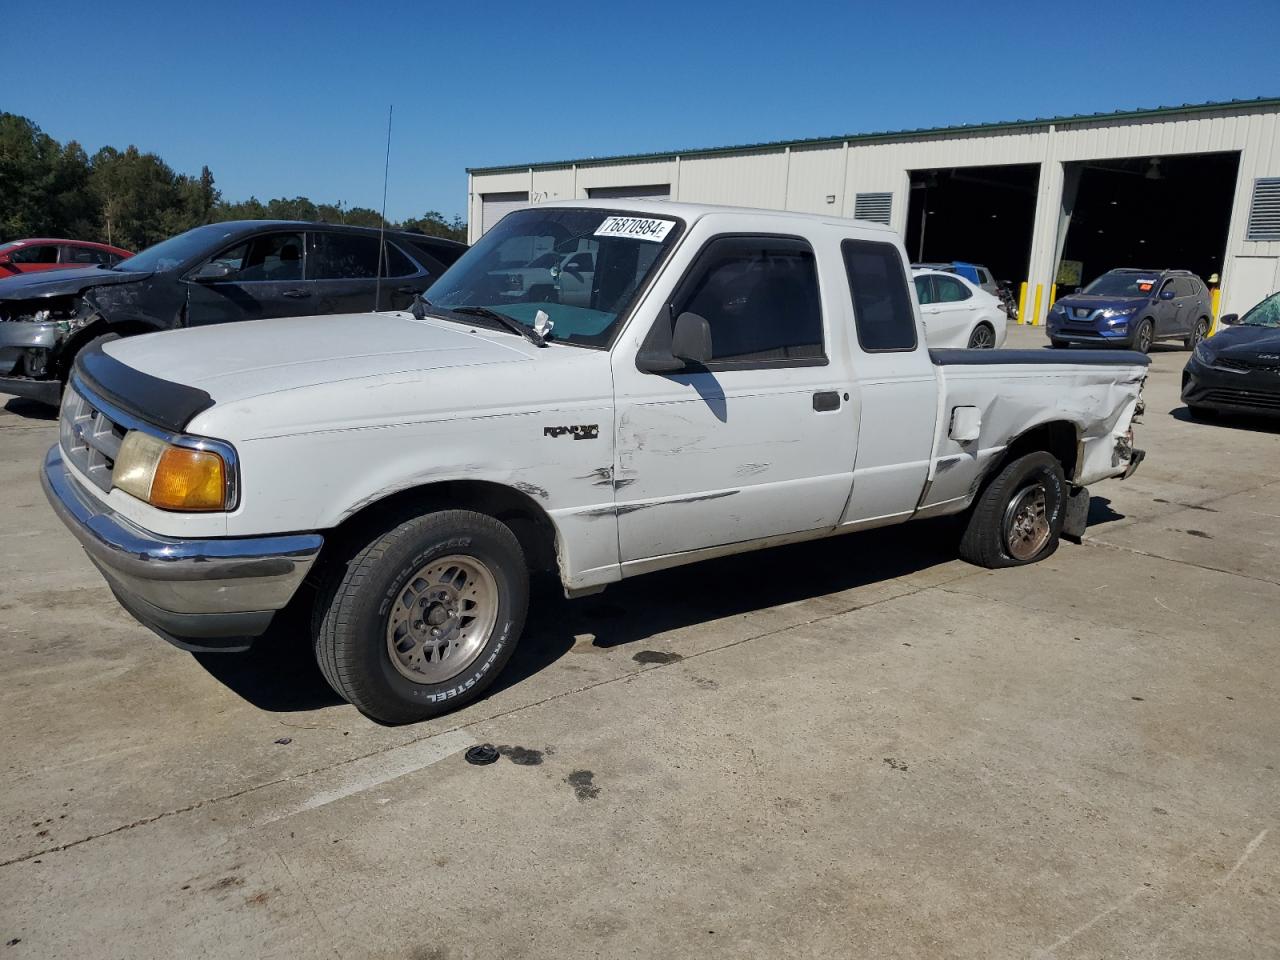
(856, 748)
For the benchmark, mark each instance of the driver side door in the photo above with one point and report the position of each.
(760, 441)
(266, 280)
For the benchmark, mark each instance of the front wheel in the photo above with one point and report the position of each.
(1018, 518)
(424, 617)
(1143, 337)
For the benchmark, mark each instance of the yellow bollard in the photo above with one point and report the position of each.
(1215, 302)
(1035, 319)
(1053, 294)
(1022, 303)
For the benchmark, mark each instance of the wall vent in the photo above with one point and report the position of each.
(1264, 212)
(873, 206)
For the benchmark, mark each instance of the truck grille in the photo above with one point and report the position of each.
(89, 439)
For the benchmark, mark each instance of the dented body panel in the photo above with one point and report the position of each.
(634, 471)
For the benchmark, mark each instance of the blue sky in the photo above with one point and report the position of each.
(282, 99)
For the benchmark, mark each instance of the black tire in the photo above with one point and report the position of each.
(1144, 336)
(1059, 344)
(985, 540)
(1198, 333)
(350, 620)
(1201, 413)
(983, 337)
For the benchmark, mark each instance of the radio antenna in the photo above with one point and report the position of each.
(382, 225)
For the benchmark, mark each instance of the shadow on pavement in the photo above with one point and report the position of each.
(635, 610)
(1100, 512)
(279, 673)
(1252, 422)
(31, 409)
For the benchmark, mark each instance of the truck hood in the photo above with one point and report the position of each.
(61, 283)
(237, 361)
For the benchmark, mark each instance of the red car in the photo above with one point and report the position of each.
(26, 256)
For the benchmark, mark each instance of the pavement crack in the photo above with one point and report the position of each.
(1185, 563)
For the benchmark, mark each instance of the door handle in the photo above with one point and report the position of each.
(296, 294)
(409, 291)
(826, 400)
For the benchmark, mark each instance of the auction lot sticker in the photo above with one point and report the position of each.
(637, 228)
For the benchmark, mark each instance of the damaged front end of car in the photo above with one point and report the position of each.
(33, 333)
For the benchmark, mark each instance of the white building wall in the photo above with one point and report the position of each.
(801, 177)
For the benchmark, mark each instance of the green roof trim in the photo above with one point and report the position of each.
(999, 126)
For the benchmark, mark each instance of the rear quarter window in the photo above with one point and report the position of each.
(882, 313)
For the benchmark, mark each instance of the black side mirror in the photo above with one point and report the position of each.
(212, 271)
(1078, 290)
(690, 347)
(691, 339)
(1229, 319)
(1166, 294)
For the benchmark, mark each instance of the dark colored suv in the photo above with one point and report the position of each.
(217, 273)
(1133, 308)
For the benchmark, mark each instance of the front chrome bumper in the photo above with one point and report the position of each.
(212, 594)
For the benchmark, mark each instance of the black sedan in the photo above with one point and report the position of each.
(1238, 369)
(218, 273)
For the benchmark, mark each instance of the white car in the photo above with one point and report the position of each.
(737, 379)
(957, 313)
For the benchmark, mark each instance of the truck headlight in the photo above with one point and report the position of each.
(169, 476)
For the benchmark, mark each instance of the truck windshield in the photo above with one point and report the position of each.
(1123, 285)
(582, 268)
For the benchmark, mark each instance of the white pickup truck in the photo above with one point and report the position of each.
(735, 379)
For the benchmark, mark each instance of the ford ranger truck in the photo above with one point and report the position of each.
(725, 380)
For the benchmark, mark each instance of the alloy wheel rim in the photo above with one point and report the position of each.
(442, 618)
(1026, 522)
(981, 339)
(1144, 338)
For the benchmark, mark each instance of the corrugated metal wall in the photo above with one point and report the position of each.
(826, 177)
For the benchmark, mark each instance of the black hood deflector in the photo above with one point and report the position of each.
(152, 400)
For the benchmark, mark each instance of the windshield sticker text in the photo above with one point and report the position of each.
(636, 228)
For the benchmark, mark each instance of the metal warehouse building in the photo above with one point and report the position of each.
(1039, 202)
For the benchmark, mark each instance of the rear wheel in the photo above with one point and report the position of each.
(1018, 518)
(982, 338)
(424, 617)
(1143, 336)
(1198, 333)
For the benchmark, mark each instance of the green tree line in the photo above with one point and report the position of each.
(133, 199)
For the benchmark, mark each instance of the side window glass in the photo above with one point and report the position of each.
(233, 258)
(882, 311)
(40, 254)
(83, 255)
(951, 291)
(924, 290)
(277, 257)
(342, 256)
(759, 295)
(398, 265)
